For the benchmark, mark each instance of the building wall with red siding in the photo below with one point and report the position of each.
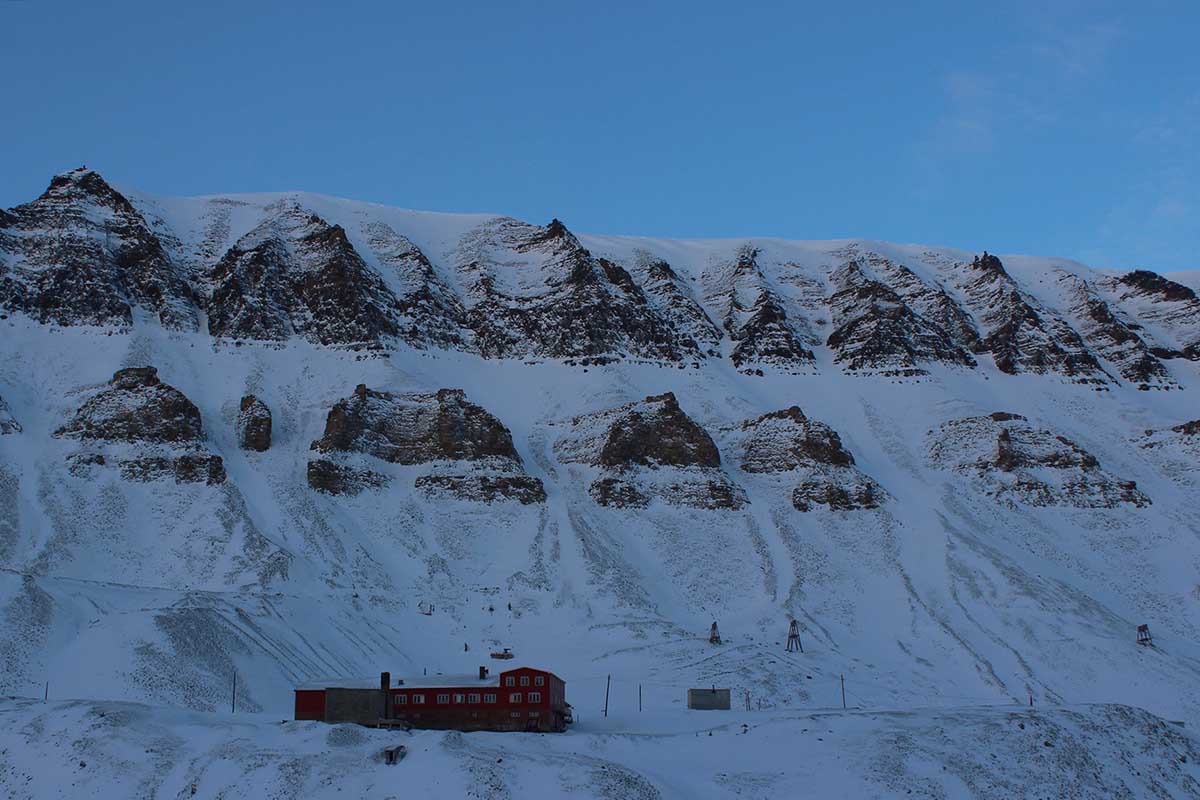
(310, 704)
(458, 711)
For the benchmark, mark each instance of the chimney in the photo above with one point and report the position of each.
(483, 673)
(385, 681)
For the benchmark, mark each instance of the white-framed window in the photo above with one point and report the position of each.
(418, 698)
(509, 681)
(472, 698)
(443, 698)
(401, 699)
(540, 680)
(535, 697)
(524, 680)
(489, 698)
(515, 697)
(460, 698)
(535, 713)
(515, 714)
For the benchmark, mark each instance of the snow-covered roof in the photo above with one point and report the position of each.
(403, 681)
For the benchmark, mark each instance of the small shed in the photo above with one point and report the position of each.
(713, 699)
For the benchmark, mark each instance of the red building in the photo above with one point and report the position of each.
(522, 699)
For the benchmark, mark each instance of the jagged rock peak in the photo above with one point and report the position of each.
(756, 316)
(1022, 335)
(136, 407)
(534, 291)
(297, 274)
(415, 428)
(878, 331)
(254, 425)
(1012, 460)
(81, 254)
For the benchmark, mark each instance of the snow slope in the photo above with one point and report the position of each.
(947, 595)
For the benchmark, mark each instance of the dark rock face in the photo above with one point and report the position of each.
(295, 274)
(8, 423)
(1020, 334)
(618, 492)
(333, 478)
(836, 497)
(470, 450)
(1188, 428)
(562, 303)
(1172, 308)
(254, 425)
(415, 428)
(1013, 461)
(877, 331)
(658, 433)
(153, 429)
(1112, 336)
(485, 488)
(930, 301)
(646, 450)
(428, 312)
(789, 446)
(81, 254)
(755, 317)
(136, 407)
(188, 468)
(678, 305)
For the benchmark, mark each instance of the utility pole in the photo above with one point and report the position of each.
(46, 696)
(607, 685)
(233, 697)
(639, 697)
(843, 691)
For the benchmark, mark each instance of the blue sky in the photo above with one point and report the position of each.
(1056, 128)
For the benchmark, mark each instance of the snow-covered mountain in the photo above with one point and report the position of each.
(259, 435)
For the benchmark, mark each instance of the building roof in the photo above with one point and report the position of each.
(436, 681)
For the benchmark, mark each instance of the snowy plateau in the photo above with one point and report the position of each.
(251, 440)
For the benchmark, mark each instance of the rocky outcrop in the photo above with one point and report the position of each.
(646, 450)
(297, 275)
(807, 454)
(8, 423)
(877, 331)
(469, 452)
(331, 477)
(1021, 335)
(1112, 336)
(929, 299)
(81, 254)
(144, 427)
(537, 292)
(755, 316)
(254, 425)
(415, 428)
(1011, 460)
(136, 407)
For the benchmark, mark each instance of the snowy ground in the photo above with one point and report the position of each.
(82, 749)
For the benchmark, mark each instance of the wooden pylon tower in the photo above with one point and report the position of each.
(793, 644)
(714, 636)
